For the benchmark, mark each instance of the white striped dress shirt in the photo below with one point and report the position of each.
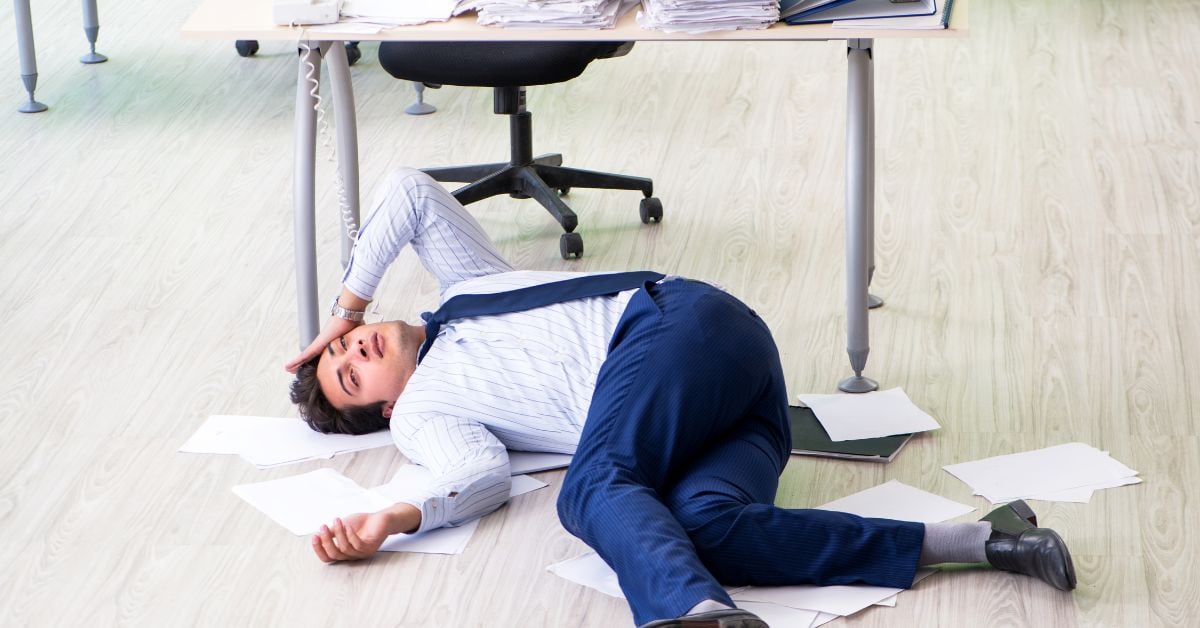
(521, 381)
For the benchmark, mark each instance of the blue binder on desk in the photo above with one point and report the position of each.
(817, 11)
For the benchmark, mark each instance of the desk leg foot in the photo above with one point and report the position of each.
(858, 384)
(873, 302)
(91, 28)
(420, 107)
(32, 105)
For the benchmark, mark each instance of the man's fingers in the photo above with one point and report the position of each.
(319, 550)
(330, 547)
(352, 539)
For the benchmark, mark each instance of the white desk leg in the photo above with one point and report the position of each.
(305, 195)
(347, 139)
(26, 56)
(859, 219)
(91, 28)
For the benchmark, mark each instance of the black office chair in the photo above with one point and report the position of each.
(509, 67)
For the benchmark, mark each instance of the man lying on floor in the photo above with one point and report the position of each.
(668, 391)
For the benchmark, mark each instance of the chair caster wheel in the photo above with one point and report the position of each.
(570, 245)
(246, 47)
(650, 210)
(353, 54)
(564, 191)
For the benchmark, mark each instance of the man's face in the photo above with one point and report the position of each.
(367, 365)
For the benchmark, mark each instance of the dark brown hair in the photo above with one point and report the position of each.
(320, 415)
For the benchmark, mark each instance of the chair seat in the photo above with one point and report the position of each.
(490, 64)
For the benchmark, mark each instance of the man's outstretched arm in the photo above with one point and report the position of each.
(359, 536)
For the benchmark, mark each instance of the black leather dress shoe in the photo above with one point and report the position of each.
(724, 618)
(1017, 546)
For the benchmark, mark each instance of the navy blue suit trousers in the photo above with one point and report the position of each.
(674, 480)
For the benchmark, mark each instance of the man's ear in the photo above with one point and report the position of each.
(387, 409)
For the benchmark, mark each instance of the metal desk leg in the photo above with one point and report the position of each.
(26, 56)
(305, 194)
(347, 140)
(91, 28)
(872, 300)
(859, 219)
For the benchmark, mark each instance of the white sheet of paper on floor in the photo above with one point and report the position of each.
(272, 441)
(303, 503)
(897, 500)
(591, 571)
(437, 541)
(1041, 472)
(868, 415)
(834, 600)
(1083, 494)
(522, 462)
(781, 616)
(822, 619)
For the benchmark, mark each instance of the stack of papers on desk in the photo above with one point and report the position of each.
(805, 605)
(372, 16)
(272, 441)
(868, 415)
(557, 14)
(702, 16)
(1068, 473)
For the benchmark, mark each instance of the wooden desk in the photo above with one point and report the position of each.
(251, 19)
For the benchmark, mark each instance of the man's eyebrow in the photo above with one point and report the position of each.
(338, 370)
(329, 348)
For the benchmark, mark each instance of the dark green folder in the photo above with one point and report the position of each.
(810, 439)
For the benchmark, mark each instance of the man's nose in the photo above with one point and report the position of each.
(359, 351)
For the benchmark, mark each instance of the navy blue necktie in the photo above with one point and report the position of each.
(521, 299)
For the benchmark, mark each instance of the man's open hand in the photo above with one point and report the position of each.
(355, 537)
(334, 329)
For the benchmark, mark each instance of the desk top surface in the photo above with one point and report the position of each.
(251, 19)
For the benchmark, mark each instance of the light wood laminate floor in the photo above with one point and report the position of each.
(1038, 248)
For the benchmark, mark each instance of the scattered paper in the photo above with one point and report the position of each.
(273, 441)
(822, 619)
(521, 462)
(437, 541)
(522, 484)
(1083, 494)
(835, 600)
(780, 616)
(868, 415)
(303, 503)
(1043, 473)
(590, 571)
(897, 500)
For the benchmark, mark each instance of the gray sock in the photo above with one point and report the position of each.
(955, 543)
